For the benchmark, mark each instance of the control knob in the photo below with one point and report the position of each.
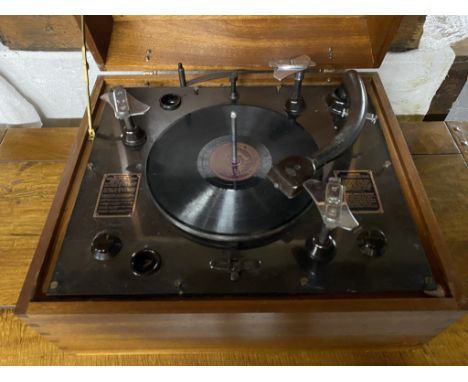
(105, 246)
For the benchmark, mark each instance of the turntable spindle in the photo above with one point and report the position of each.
(234, 140)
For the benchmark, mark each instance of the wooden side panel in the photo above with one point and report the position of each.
(418, 202)
(98, 34)
(453, 210)
(97, 333)
(381, 33)
(220, 42)
(46, 240)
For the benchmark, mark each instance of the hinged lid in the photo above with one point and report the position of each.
(146, 43)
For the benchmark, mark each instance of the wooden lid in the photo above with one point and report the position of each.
(226, 42)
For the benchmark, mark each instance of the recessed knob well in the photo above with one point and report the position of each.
(105, 246)
(145, 262)
(372, 242)
(170, 101)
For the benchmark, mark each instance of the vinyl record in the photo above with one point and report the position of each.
(191, 178)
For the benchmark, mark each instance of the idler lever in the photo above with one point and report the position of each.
(287, 67)
(335, 213)
(294, 66)
(331, 204)
(290, 173)
(125, 107)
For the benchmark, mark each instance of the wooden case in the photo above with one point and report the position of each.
(155, 45)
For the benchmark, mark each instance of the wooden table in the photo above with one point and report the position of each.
(31, 163)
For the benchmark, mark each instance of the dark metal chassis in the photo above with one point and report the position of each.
(185, 267)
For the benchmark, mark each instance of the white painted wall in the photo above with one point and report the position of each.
(412, 78)
(53, 81)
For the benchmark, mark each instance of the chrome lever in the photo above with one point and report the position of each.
(335, 213)
(293, 66)
(125, 106)
(284, 68)
(330, 202)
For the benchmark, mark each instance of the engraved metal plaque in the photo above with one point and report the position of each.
(117, 195)
(361, 192)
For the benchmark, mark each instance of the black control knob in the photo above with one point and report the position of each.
(372, 242)
(145, 262)
(170, 101)
(105, 246)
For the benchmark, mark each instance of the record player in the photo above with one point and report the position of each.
(248, 188)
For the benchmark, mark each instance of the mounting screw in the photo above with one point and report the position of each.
(431, 288)
(148, 55)
(330, 53)
(54, 285)
(372, 118)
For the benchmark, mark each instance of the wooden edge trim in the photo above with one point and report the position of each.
(242, 305)
(418, 201)
(56, 210)
(170, 78)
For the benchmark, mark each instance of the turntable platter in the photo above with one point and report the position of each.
(192, 180)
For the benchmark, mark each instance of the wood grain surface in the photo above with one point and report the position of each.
(429, 138)
(459, 132)
(40, 32)
(445, 178)
(2, 133)
(23, 144)
(21, 345)
(219, 42)
(26, 191)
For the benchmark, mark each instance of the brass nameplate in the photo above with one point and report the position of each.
(117, 195)
(361, 192)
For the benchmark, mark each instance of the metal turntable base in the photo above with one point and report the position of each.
(152, 256)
